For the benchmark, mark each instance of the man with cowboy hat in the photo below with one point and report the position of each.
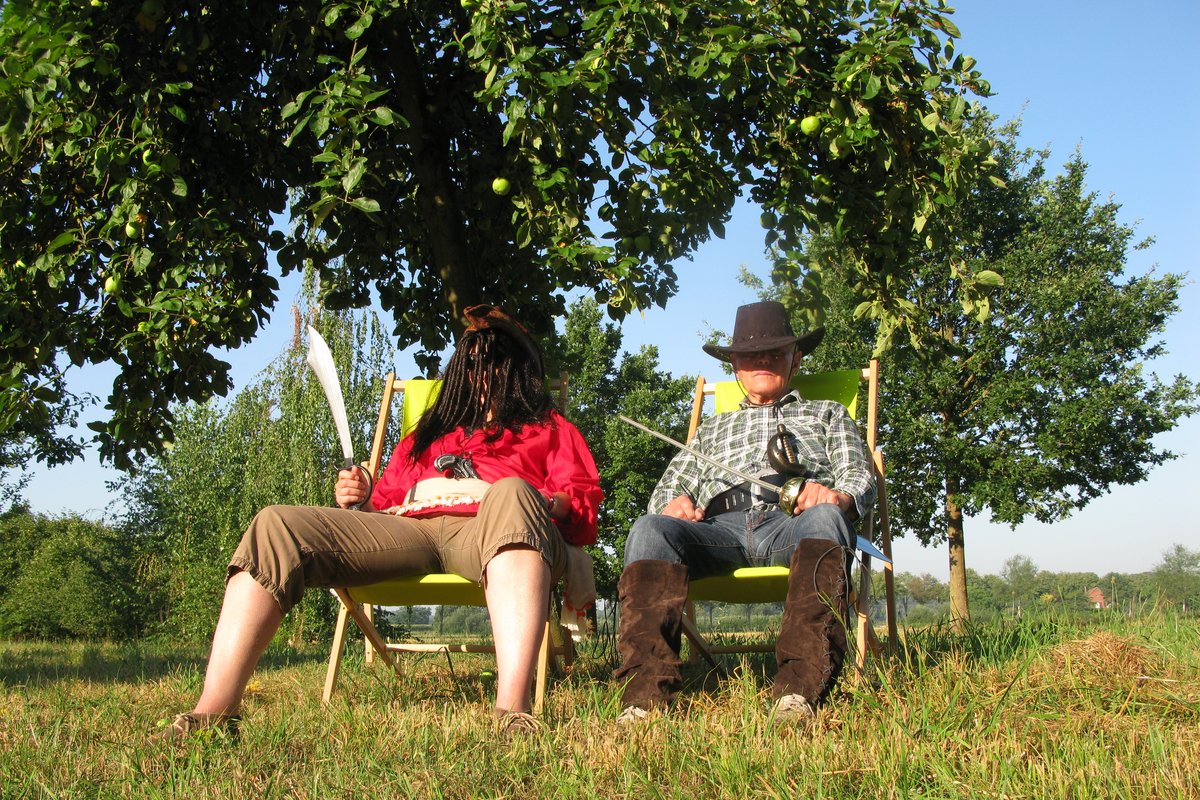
(704, 521)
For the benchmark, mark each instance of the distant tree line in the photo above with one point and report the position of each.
(63, 576)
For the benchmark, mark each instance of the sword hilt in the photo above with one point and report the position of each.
(348, 463)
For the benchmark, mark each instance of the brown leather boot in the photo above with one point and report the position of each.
(811, 647)
(652, 595)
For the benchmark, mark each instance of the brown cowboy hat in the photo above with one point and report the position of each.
(764, 326)
(485, 316)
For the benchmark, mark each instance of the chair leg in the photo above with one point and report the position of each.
(543, 671)
(697, 647)
(368, 651)
(368, 628)
(335, 655)
(692, 631)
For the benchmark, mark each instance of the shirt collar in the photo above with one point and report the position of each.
(792, 396)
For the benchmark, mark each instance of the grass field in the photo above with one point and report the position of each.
(1036, 709)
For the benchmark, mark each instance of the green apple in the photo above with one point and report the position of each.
(501, 186)
(810, 125)
(643, 242)
(560, 29)
(133, 229)
(768, 219)
(112, 284)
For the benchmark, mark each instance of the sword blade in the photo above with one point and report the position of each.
(321, 361)
(706, 459)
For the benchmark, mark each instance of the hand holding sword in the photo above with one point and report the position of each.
(349, 491)
(789, 493)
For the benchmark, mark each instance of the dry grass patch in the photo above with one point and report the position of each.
(1101, 657)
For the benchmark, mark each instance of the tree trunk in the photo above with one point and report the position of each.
(959, 613)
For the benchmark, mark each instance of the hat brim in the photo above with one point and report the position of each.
(486, 316)
(805, 344)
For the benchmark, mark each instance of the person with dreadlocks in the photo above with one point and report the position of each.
(489, 485)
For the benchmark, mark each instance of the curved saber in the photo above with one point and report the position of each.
(759, 482)
(321, 361)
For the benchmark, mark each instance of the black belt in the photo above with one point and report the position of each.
(739, 498)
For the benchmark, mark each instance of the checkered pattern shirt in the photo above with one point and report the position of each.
(828, 446)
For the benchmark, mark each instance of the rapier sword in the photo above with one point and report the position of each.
(789, 493)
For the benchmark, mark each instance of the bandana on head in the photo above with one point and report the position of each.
(488, 317)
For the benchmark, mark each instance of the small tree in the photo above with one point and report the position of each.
(1031, 401)
(1020, 574)
(69, 577)
(1177, 576)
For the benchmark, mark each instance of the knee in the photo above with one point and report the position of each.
(826, 521)
(650, 538)
(512, 484)
(270, 523)
(515, 489)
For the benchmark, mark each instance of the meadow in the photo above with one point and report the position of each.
(1105, 706)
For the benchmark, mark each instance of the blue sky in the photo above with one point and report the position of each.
(1078, 78)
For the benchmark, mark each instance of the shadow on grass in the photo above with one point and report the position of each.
(25, 663)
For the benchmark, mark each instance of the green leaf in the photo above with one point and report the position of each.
(354, 175)
(365, 204)
(62, 240)
(332, 14)
(987, 277)
(872, 87)
(382, 115)
(949, 27)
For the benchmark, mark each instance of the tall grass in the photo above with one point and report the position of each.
(1032, 709)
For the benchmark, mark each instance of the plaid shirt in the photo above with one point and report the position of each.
(828, 446)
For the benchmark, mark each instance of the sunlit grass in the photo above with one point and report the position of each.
(1036, 709)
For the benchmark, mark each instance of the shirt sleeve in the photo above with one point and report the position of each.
(682, 475)
(570, 468)
(398, 477)
(852, 470)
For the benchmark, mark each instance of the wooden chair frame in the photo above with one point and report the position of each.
(433, 589)
(769, 584)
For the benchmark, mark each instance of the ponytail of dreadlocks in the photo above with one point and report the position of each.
(489, 371)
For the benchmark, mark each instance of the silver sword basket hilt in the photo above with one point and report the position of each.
(781, 453)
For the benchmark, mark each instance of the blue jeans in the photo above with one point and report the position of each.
(718, 546)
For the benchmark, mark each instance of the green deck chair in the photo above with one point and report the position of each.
(435, 589)
(769, 584)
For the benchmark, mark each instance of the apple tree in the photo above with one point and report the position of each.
(159, 157)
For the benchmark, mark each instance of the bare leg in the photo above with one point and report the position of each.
(249, 619)
(518, 595)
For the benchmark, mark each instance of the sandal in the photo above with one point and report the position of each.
(517, 724)
(185, 726)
